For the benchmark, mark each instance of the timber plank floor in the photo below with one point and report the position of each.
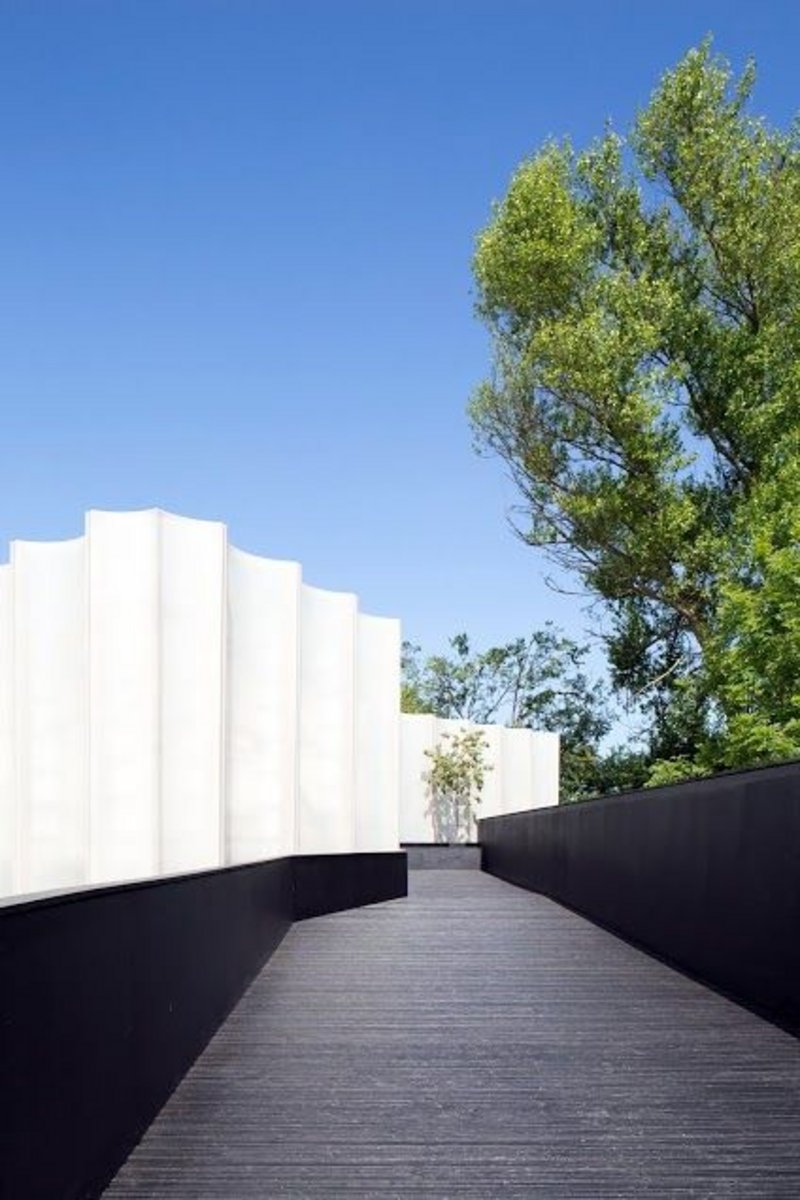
(475, 1041)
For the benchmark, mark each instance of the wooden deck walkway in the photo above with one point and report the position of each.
(476, 1041)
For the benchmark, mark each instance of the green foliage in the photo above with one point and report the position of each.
(455, 781)
(674, 770)
(412, 699)
(643, 299)
(754, 658)
(538, 682)
(617, 770)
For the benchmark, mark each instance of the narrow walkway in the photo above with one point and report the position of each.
(476, 1041)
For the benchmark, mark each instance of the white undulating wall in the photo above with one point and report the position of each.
(418, 733)
(49, 710)
(523, 771)
(262, 690)
(493, 800)
(326, 809)
(8, 783)
(377, 759)
(169, 703)
(124, 735)
(193, 617)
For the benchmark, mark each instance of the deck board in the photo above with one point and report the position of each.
(476, 1041)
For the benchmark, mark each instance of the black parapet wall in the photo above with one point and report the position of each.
(108, 995)
(704, 874)
(327, 883)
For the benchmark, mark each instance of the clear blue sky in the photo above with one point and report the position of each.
(235, 242)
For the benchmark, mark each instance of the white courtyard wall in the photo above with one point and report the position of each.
(169, 703)
(522, 771)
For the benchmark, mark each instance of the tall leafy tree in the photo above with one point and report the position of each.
(643, 298)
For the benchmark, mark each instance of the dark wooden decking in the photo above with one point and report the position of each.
(476, 1041)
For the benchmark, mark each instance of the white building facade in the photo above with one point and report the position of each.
(169, 703)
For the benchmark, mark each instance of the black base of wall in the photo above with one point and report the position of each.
(109, 994)
(327, 883)
(702, 874)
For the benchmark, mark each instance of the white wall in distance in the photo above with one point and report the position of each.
(523, 771)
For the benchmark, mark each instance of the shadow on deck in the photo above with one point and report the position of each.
(476, 1041)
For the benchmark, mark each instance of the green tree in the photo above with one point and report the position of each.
(455, 781)
(642, 297)
(754, 657)
(412, 699)
(538, 681)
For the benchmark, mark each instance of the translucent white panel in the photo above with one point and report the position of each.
(8, 790)
(452, 728)
(417, 734)
(545, 754)
(326, 811)
(261, 773)
(50, 712)
(124, 560)
(377, 733)
(517, 770)
(192, 616)
(491, 804)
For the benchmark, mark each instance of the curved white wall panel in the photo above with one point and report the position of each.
(262, 690)
(491, 804)
(326, 811)
(192, 647)
(517, 770)
(50, 715)
(169, 703)
(377, 759)
(417, 734)
(8, 788)
(124, 694)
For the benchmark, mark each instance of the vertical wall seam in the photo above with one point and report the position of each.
(354, 720)
(298, 711)
(22, 706)
(87, 699)
(223, 840)
(16, 757)
(398, 733)
(158, 824)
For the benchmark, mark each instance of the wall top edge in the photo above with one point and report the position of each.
(290, 564)
(350, 597)
(20, 901)
(129, 515)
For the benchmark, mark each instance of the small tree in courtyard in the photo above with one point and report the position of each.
(455, 782)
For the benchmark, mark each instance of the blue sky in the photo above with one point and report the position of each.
(235, 240)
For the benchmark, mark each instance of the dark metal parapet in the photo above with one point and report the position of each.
(704, 874)
(109, 994)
